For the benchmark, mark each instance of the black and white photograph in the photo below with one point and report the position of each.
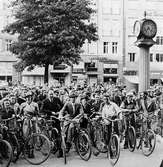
(81, 83)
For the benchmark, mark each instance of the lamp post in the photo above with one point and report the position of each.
(145, 30)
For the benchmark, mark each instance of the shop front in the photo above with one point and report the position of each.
(62, 74)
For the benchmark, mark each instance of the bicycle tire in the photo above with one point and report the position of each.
(111, 149)
(100, 145)
(35, 143)
(131, 139)
(145, 145)
(82, 153)
(13, 140)
(55, 140)
(5, 162)
(64, 149)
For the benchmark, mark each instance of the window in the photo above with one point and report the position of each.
(159, 57)
(159, 40)
(110, 70)
(114, 47)
(151, 57)
(8, 44)
(105, 47)
(132, 57)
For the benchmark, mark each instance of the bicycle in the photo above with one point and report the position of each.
(80, 139)
(147, 137)
(34, 143)
(96, 131)
(47, 128)
(6, 151)
(131, 134)
(11, 130)
(113, 152)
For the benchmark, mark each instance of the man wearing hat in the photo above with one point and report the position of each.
(73, 110)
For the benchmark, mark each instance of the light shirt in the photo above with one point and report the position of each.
(32, 107)
(110, 110)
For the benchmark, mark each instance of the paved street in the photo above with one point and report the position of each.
(127, 159)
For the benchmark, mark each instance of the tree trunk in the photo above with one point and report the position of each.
(46, 74)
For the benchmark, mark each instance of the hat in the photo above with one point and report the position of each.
(83, 97)
(129, 94)
(106, 95)
(73, 95)
(6, 99)
(29, 93)
(56, 91)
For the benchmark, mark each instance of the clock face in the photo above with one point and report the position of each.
(149, 28)
(137, 28)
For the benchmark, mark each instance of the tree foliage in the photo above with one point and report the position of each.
(50, 31)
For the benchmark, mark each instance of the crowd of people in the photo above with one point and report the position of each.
(107, 99)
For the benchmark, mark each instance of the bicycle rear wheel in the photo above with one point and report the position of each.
(15, 147)
(5, 153)
(83, 146)
(148, 142)
(37, 149)
(114, 149)
(131, 139)
(100, 139)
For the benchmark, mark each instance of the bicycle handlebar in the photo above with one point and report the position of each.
(8, 119)
(112, 120)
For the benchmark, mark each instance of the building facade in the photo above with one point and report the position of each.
(114, 54)
(7, 60)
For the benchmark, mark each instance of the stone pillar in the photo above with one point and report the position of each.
(144, 68)
(100, 72)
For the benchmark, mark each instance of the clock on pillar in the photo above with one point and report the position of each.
(145, 30)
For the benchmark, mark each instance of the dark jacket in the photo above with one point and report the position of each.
(5, 115)
(48, 107)
(68, 109)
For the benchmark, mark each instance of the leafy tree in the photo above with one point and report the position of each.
(50, 31)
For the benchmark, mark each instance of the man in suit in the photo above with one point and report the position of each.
(74, 111)
(51, 106)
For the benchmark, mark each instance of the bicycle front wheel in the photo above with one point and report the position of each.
(148, 142)
(131, 139)
(114, 149)
(5, 153)
(37, 149)
(83, 146)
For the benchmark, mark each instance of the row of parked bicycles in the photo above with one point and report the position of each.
(42, 138)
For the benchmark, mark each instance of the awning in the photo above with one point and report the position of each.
(132, 79)
(110, 65)
(35, 72)
(79, 66)
(60, 71)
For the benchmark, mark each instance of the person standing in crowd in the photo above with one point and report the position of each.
(129, 104)
(73, 110)
(51, 106)
(14, 104)
(111, 110)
